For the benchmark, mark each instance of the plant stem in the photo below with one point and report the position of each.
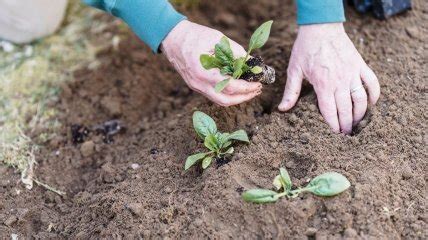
(248, 54)
(282, 194)
(297, 191)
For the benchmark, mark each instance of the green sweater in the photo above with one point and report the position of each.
(152, 20)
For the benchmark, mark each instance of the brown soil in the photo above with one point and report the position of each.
(267, 76)
(136, 187)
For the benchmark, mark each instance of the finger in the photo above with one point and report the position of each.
(327, 105)
(237, 86)
(292, 89)
(344, 110)
(229, 100)
(359, 100)
(372, 83)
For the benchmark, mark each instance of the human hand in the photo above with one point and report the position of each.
(325, 56)
(183, 47)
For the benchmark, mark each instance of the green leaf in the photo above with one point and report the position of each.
(191, 160)
(223, 52)
(328, 184)
(256, 70)
(209, 62)
(229, 151)
(277, 182)
(237, 67)
(260, 196)
(226, 144)
(226, 70)
(239, 135)
(206, 162)
(223, 137)
(211, 142)
(285, 177)
(260, 36)
(221, 85)
(203, 124)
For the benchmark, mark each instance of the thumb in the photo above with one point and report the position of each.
(292, 89)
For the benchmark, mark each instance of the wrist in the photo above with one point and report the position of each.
(176, 36)
(322, 30)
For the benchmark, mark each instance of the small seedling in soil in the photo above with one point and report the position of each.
(218, 144)
(250, 69)
(325, 185)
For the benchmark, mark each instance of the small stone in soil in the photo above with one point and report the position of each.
(136, 208)
(79, 133)
(293, 118)
(407, 173)
(305, 138)
(112, 105)
(312, 107)
(154, 151)
(10, 221)
(350, 233)
(311, 231)
(413, 31)
(87, 148)
(168, 190)
(135, 166)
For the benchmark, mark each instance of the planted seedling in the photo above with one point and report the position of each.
(326, 185)
(250, 69)
(218, 144)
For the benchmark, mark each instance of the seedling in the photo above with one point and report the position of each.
(224, 60)
(218, 144)
(326, 185)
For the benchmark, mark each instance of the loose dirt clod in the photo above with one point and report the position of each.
(87, 148)
(10, 220)
(350, 233)
(79, 133)
(267, 76)
(136, 208)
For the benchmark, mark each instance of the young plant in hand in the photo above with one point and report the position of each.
(218, 144)
(326, 185)
(253, 69)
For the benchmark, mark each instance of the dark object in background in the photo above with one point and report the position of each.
(79, 133)
(362, 6)
(382, 9)
(109, 129)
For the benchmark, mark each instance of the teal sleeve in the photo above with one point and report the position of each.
(151, 20)
(319, 11)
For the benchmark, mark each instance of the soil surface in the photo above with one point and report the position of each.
(134, 185)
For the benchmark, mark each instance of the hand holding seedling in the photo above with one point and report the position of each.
(218, 144)
(183, 47)
(325, 56)
(325, 185)
(232, 67)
